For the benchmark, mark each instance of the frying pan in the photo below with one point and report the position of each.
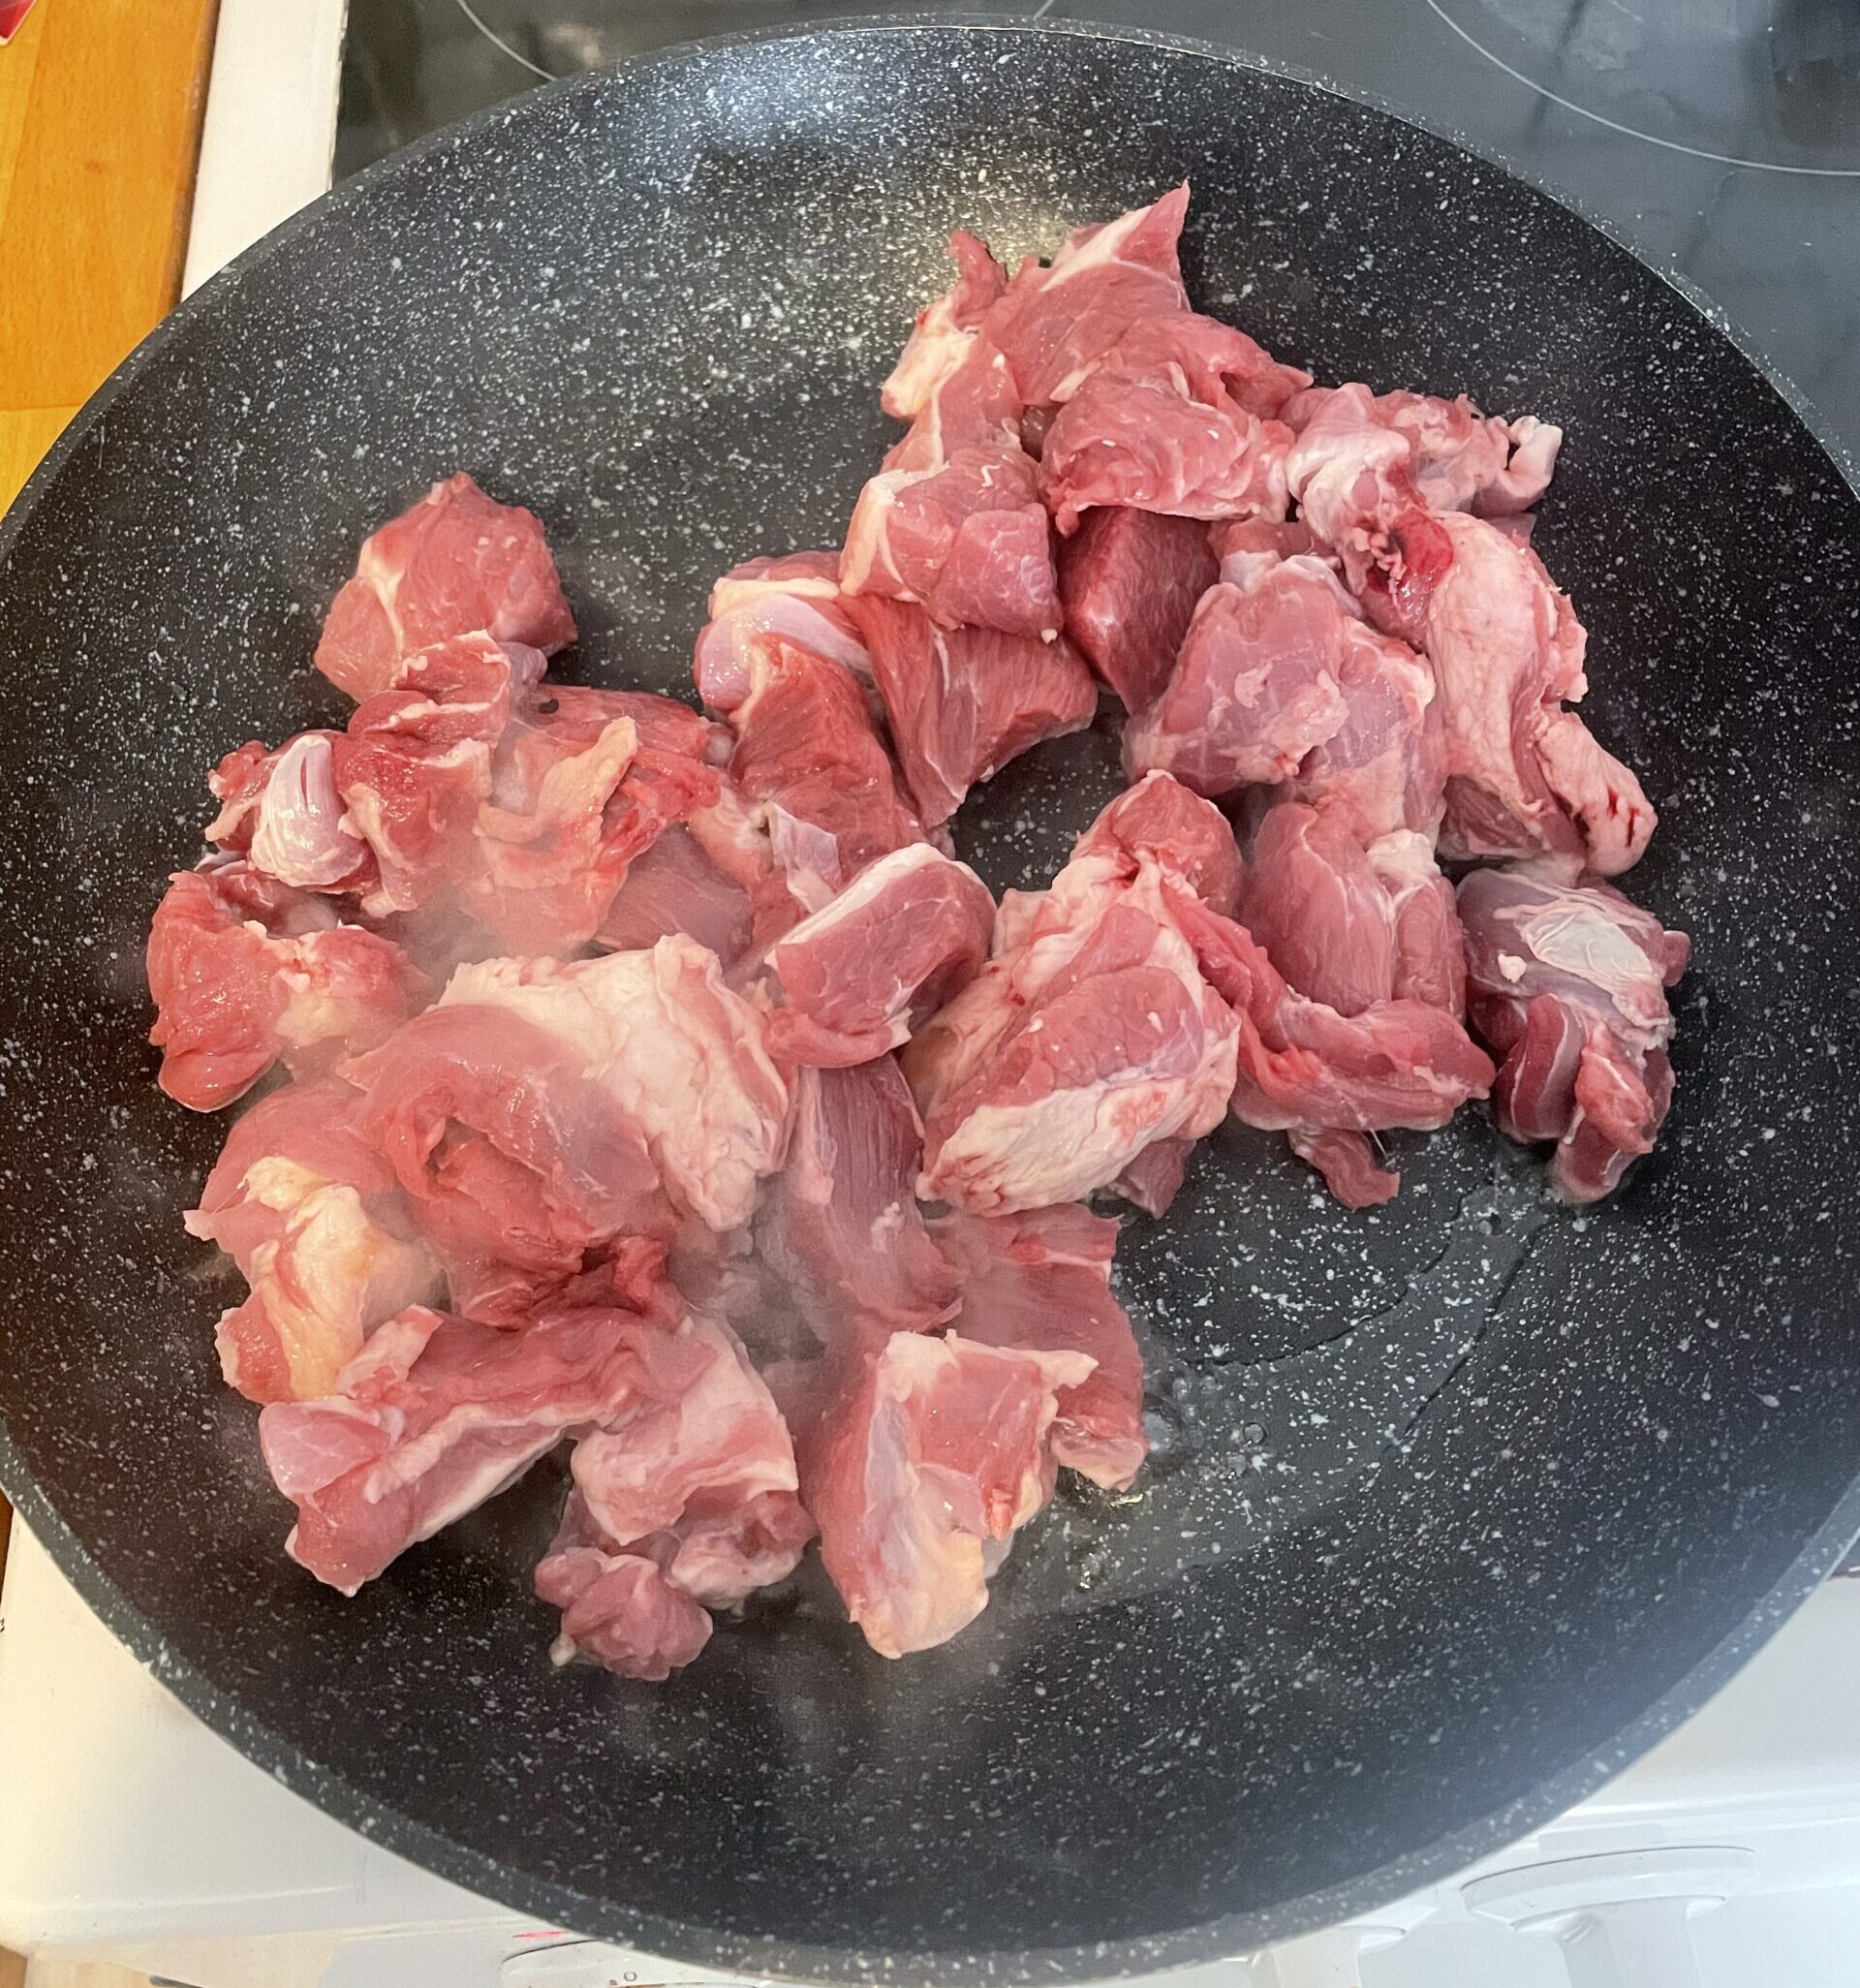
(1455, 1507)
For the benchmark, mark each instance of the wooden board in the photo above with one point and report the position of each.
(100, 126)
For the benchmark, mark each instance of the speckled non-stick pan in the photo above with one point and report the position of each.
(1455, 1507)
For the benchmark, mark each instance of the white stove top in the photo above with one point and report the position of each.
(1728, 1858)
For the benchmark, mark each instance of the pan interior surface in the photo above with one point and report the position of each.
(1446, 1498)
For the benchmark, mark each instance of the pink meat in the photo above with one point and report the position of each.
(1567, 983)
(932, 1454)
(437, 1414)
(1129, 580)
(314, 1218)
(964, 701)
(796, 600)
(1277, 664)
(456, 562)
(1524, 777)
(1053, 322)
(953, 519)
(674, 886)
(281, 811)
(1461, 459)
(1091, 1036)
(1042, 1283)
(842, 1226)
(856, 977)
(1327, 1078)
(415, 766)
(687, 1505)
(809, 757)
(1171, 419)
(514, 1164)
(245, 972)
(1186, 837)
(666, 1050)
(581, 791)
(944, 332)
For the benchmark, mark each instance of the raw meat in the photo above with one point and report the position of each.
(1280, 678)
(1567, 984)
(842, 1224)
(670, 1053)
(436, 1414)
(245, 972)
(944, 332)
(281, 811)
(580, 792)
(809, 757)
(1168, 420)
(1129, 580)
(674, 886)
(794, 599)
(929, 1459)
(1093, 1036)
(1042, 1283)
(1327, 1078)
(955, 519)
(1186, 837)
(855, 978)
(456, 562)
(1052, 323)
(314, 1218)
(415, 766)
(1524, 775)
(514, 1159)
(687, 1505)
(963, 702)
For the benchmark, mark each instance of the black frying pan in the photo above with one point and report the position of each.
(1455, 1509)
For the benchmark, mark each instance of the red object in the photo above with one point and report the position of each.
(12, 14)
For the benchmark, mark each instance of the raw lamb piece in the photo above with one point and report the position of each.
(281, 811)
(1567, 984)
(620, 1609)
(513, 1157)
(454, 563)
(1461, 459)
(312, 1215)
(1167, 420)
(842, 1224)
(1092, 1036)
(953, 519)
(1278, 666)
(669, 1051)
(793, 599)
(1188, 838)
(435, 1414)
(1054, 322)
(674, 886)
(1042, 1283)
(944, 332)
(963, 702)
(1524, 777)
(580, 792)
(245, 972)
(809, 757)
(933, 1454)
(1326, 1078)
(415, 766)
(1153, 1178)
(1129, 580)
(893, 947)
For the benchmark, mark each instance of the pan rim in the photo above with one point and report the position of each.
(386, 1824)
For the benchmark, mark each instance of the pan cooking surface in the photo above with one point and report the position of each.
(1455, 1506)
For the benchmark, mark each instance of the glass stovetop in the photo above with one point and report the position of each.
(1723, 137)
